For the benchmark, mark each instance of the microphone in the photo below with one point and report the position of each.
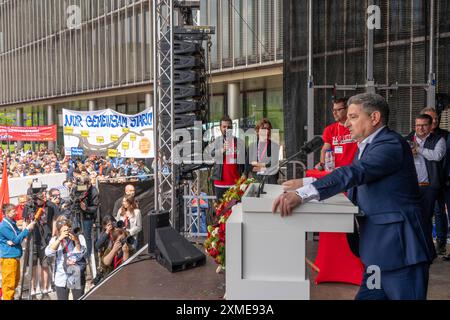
(311, 146)
(38, 214)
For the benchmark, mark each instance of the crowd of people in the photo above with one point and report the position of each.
(64, 237)
(29, 163)
(399, 184)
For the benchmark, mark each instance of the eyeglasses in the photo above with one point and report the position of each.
(422, 125)
(56, 196)
(340, 109)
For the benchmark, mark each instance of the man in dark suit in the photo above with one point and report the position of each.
(382, 181)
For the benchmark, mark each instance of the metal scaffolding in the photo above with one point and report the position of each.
(163, 24)
(371, 84)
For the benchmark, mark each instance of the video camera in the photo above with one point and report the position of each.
(81, 186)
(37, 187)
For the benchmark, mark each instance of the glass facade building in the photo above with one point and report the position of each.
(68, 54)
(54, 48)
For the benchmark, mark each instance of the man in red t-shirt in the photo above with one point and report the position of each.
(337, 137)
(230, 169)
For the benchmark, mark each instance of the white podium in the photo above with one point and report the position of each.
(265, 254)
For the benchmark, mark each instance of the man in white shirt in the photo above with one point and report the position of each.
(429, 150)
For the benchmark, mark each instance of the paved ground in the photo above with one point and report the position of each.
(438, 288)
(149, 280)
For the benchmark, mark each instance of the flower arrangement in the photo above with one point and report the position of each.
(215, 243)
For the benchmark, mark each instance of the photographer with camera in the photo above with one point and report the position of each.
(104, 241)
(11, 250)
(70, 266)
(85, 198)
(130, 215)
(41, 235)
(120, 251)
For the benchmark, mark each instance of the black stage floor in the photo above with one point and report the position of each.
(148, 280)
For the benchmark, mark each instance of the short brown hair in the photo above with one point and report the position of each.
(225, 118)
(343, 100)
(117, 233)
(425, 117)
(261, 123)
(7, 208)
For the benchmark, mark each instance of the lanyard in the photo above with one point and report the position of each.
(263, 153)
(65, 246)
(13, 229)
(117, 261)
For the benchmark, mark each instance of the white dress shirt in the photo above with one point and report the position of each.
(431, 155)
(308, 192)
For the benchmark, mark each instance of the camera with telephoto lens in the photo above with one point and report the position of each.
(129, 239)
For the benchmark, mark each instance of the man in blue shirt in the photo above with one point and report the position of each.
(11, 250)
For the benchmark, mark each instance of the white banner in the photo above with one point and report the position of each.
(19, 186)
(109, 133)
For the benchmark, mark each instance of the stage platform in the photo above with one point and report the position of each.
(148, 280)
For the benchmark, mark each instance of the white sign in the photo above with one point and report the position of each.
(109, 133)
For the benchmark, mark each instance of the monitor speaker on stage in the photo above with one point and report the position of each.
(160, 220)
(176, 253)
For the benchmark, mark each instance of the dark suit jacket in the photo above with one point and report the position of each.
(384, 185)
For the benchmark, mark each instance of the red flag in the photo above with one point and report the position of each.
(4, 189)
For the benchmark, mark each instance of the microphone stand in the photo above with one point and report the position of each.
(263, 182)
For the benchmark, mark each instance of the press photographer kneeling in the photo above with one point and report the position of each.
(120, 251)
(70, 266)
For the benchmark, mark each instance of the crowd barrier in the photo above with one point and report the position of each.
(19, 186)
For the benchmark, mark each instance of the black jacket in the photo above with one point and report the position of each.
(218, 166)
(92, 203)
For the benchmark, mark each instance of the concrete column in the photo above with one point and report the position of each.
(148, 100)
(92, 105)
(50, 121)
(19, 123)
(234, 101)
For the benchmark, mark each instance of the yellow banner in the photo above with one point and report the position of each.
(85, 133)
(100, 140)
(133, 137)
(125, 145)
(114, 137)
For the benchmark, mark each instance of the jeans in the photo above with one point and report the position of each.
(87, 227)
(63, 293)
(201, 222)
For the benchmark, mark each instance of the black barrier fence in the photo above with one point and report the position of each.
(111, 195)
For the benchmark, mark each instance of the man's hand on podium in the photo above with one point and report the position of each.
(286, 203)
(292, 185)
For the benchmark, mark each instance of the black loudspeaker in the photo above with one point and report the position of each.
(160, 220)
(174, 252)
